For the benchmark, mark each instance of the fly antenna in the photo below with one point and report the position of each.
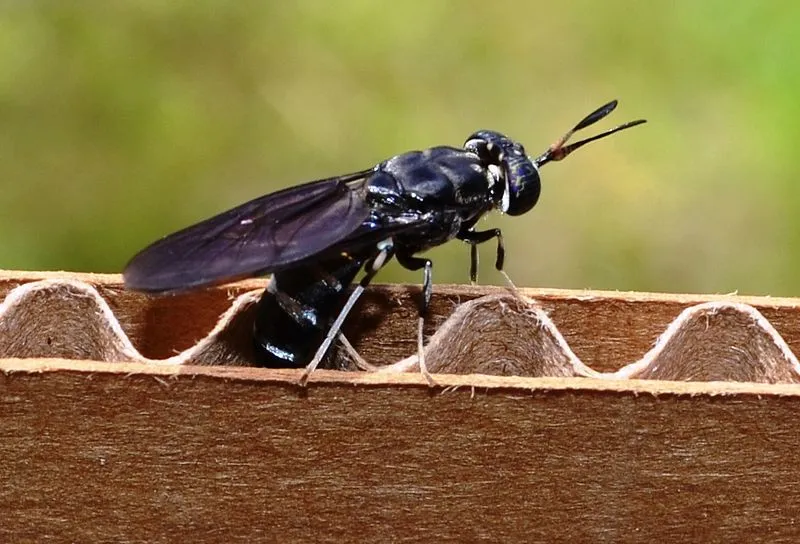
(559, 150)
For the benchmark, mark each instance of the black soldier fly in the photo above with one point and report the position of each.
(315, 238)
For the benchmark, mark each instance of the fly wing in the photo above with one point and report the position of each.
(260, 236)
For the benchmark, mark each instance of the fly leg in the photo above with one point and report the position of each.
(473, 238)
(385, 252)
(415, 263)
(333, 283)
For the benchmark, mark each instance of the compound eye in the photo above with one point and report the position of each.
(524, 187)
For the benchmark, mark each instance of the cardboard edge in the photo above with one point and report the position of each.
(445, 383)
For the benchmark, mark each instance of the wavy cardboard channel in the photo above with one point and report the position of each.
(497, 334)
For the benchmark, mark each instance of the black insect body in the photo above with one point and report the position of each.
(315, 238)
(294, 313)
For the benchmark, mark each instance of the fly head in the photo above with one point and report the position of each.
(514, 184)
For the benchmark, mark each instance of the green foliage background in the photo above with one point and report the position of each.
(123, 121)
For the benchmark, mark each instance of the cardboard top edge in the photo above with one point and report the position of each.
(478, 383)
(115, 280)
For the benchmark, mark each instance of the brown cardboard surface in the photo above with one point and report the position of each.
(139, 452)
(579, 448)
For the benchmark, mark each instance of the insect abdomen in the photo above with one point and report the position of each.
(297, 309)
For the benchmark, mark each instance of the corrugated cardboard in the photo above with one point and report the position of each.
(111, 430)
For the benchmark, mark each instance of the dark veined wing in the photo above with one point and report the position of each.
(260, 236)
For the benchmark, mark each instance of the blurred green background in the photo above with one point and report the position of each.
(124, 121)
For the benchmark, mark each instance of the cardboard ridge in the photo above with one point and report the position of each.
(495, 333)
